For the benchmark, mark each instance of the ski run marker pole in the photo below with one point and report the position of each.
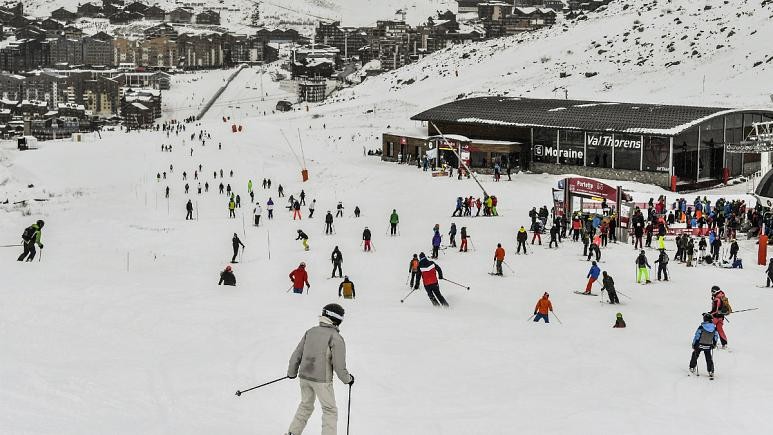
(239, 393)
(456, 283)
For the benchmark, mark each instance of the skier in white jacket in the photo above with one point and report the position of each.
(258, 211)
(321, 352)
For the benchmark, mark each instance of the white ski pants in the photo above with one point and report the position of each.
(316, 390)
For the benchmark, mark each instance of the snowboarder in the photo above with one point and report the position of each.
(521, 239)
(346, 289)
(227, 277)
(499, 258)
(463, 236)
(320, 352)
(329, 223)
(662, 263)
(543, 308)
(236, 243)
(299, 276)
(270, 208)
(189, 210)
(720, 306)
(339, 209)
(30, 237)
(304, 239)
(413, 269)
(366, 235)
(643, 268)
(394, 219)
(619, 321)
(337, 259)
(257, 212)
(430, 273)
(704, 340)
(608, 284)
(452, 235)
(593, 275)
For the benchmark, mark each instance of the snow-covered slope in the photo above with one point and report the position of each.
(677, 51)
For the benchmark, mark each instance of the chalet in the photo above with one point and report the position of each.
(468, 6)
(136, 115)
(136, 7)
(526, 19)
(51, 26)
(284, 106)
(556, 5)
(72, 32)
(163, 29)
(155, 13)
(110, 7)
(90, 10)
(278, 36)
(63, 14)
(208, 17)
(494, 10)
(125, 17)
(180, 15)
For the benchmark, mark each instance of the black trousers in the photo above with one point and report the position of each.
(392, 229)
(337, 266)
(709, 359)
(339, 213)
(236, 252)
(29, 251)
(189, 215)
(453, 240)
(311, 212)
(552, 240)
(328, 228)
(435, 250)
(662, 268)
(521, 244)
(613, 297)
(257, 220)
(637, 243)
(575, 235)
(433, 292)
(770, 279)
(271, 214)
(415, 278)
(593, 249)
(499, 267)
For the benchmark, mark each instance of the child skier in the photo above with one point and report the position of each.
(593, 275)
(704, 340)
(720, 307)
(643, 268)
(619, 322)
(499, 258)
(662, 263)
(366, 235)
(227, 277)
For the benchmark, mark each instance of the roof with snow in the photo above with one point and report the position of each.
(574, 114)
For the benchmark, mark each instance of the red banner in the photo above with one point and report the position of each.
(592, 188)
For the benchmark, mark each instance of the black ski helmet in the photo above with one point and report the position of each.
(334, 312)
(40, 223)
(707, 317)
(714, 289)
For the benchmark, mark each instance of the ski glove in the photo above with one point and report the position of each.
(535, 312)
(292, 377)
(352, 381)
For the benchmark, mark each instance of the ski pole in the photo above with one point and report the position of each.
(741, 311)
(349, 409)
(531, 317)
(406, 296)
(559, 320)
(619, 292)
(508, 266)
(40, 257)
(288, 290)
(456, 283)
(9, 246)
(407, 280)
(239, 393)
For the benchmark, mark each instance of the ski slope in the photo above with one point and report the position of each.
(122, 329)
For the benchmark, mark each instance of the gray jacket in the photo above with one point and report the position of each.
(321, 351)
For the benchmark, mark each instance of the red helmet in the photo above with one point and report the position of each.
(228, 268)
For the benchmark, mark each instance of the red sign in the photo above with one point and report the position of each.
(592, 188)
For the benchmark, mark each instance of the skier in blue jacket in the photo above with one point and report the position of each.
(593, 275)
(436, 239)
(704, 340)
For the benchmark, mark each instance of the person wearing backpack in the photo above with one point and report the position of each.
(704, 340)
(413, 269)
(346, 289)
(30, 237)
(662, 263)
(643, 268)
(720, 307)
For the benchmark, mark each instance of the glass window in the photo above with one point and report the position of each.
(734, 124)
(477, 159)
(656, 151)
(599, 150)
(711, 150)
(686, 154)
(544, 148)
(571, 147)
(627, 151)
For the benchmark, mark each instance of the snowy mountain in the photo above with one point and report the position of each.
(677, 51)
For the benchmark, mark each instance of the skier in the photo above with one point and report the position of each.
(394, 219)
(430, 273)
(521, 239)
(715, 249)
(189, 210)
(704, 340)
(356, 211)
(499, 258)
(236, 242)
(303, 197)
(543, 308)
(320, 352)
(608, 284)
(720, 306)
(643, 268)
(186, 188)
(619, 322)
(537, 229)
(258, 211)
(690, 252)
(452, 235)
(299, 276)
(270, 208)
(594, 248)
(593, 275)
(304, 239)
(662, 263)
(227, 277)
(312, 206)
(232, 209)
(346, 289)
(296, 210)
(30, 237)
(281, 191)
(366, 239)
(458, 207)
(734, 250)
(337, 259)
(339, 209)
(769, 273)
(167, 192)
(413, 269)
(249, 186)
(328, 223)
(222, 188)
(463, 236)
(199, 188)
(553, 236)
(436, 240)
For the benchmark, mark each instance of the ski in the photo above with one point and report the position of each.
(586, 294)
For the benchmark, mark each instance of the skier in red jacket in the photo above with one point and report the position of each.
(299, 277)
